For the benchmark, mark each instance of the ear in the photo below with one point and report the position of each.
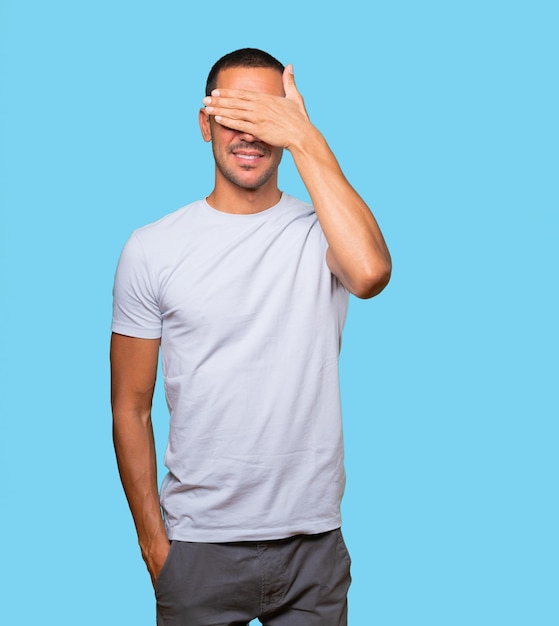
(204, 121)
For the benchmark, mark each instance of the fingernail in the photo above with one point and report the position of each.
(207, 100)
(215, 92)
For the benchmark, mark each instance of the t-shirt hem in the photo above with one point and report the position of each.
(267, 534)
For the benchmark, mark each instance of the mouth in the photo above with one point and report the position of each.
(248, 155)
(247, 160)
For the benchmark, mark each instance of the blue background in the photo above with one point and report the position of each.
(444, 116)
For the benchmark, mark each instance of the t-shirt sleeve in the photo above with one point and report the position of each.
(136, 310)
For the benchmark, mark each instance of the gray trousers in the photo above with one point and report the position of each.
(298, 581)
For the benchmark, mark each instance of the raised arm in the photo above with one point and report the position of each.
(357, 253)
(133, 373)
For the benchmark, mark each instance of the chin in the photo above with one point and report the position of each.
(252, 181)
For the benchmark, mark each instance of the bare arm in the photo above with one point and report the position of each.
(357, 253)
(133, 373)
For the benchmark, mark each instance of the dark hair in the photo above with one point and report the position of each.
(245, 57)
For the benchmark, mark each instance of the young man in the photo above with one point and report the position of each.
(246, 293)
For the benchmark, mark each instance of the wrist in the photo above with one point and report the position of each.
(306, 141)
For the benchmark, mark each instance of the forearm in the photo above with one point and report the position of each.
(357, 254)
(135, 452)
(133, 374)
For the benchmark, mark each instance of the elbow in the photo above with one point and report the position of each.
(372, 281)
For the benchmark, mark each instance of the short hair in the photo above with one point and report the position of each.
(245, 57)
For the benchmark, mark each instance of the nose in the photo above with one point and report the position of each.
(247, 137)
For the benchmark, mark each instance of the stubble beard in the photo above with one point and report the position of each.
(234, 177)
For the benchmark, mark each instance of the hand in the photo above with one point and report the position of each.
(275, 120)
(155, 558)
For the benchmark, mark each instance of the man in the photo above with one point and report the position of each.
(246, 292)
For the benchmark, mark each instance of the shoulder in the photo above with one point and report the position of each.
(291, 203)
(158, 239)
(296, 213)
(156, 242)
(302, 215)
(168, 224)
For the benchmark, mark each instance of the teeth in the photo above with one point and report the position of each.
(249, 157)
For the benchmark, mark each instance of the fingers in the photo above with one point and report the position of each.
(231, 105)
(225, 101)
(231, 116)
(240, 125)
(239, 94)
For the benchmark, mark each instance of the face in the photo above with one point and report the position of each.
(242, 159)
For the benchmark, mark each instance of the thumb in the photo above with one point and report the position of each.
(291, 92)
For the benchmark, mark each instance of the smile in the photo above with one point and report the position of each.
(248, 156)
(252, 158)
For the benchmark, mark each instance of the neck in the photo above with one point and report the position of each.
(233, 199)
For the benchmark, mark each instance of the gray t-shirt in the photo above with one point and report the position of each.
(250, 320)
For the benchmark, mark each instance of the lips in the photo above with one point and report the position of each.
(248, 157)
(248, 153)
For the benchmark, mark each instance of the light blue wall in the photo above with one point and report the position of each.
(444, 116)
